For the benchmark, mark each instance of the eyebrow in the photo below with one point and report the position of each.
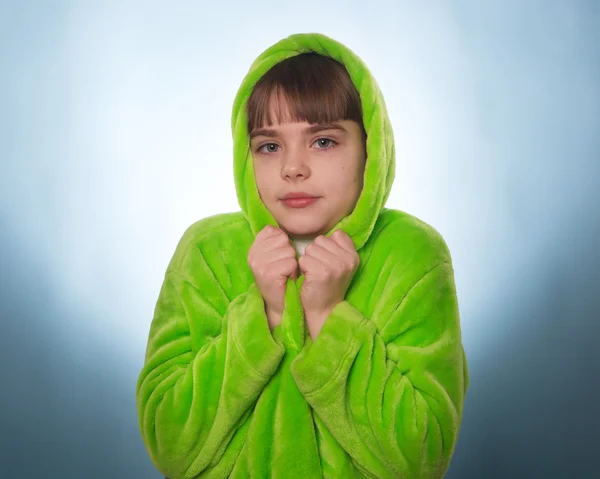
(311, 129)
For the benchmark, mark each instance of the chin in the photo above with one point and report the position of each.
(303, 231)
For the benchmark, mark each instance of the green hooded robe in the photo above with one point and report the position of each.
(379, 393)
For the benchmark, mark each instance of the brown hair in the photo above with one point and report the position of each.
(317, 88)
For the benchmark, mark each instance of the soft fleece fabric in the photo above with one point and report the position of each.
(380, 391)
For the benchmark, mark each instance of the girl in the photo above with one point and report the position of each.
(315, 333)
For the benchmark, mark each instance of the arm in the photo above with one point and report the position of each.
(393, 400)
(206, 363)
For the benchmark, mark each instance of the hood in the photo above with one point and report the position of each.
(380, 162)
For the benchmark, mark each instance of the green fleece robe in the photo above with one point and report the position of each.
(379, 393)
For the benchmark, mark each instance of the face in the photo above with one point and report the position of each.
(325, 161)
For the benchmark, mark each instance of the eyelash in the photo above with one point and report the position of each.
(331, 141)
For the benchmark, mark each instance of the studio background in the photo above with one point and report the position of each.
(115, 137)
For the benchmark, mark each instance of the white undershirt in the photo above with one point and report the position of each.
(301, 244)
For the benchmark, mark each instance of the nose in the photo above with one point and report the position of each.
(295, 165)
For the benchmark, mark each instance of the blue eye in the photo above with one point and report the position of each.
(329, 143)
(322, 144)
(269, 146)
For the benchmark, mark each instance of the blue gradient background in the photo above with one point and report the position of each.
(115, 137)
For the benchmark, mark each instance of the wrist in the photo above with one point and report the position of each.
(273, 317)
(273, 311)
(315, 320)
(318, 314)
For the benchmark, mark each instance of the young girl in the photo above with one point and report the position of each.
(315, 333)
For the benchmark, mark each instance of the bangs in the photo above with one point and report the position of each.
(307, 87)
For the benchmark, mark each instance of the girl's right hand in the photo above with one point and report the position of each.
(272, 260)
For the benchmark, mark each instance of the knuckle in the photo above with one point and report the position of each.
(268, 231)
(292, 265)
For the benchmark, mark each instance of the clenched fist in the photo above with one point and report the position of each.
(272, 260)
(329, 265)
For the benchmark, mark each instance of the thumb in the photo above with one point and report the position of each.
(294, 275)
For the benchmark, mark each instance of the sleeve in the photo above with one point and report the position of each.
(393, 400)
(203, 371)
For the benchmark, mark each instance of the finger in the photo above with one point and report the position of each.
(268, 231)
(288, 267)
(330, 260)
(295, 273)
(309, 266)
(274, 242)
(278, 254)
(344, 241)
(329, 245)
(343, 255)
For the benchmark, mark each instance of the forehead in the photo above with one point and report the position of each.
(280, 113)
(304, 128)
(279, 109)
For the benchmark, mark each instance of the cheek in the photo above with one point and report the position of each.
(265, 185)
(261, 182)
(260, 174)
(358, 179)
(347, 180)
(354, 177)
(359, 172)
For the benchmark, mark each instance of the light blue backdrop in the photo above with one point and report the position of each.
(114, 138)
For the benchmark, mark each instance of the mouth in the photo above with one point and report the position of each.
(299, 202)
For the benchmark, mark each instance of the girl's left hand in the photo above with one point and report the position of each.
(328, 265)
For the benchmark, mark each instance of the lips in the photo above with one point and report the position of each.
(298, 194)
(299, 202)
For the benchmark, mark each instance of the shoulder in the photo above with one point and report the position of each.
(213, 233)
(409, 241)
